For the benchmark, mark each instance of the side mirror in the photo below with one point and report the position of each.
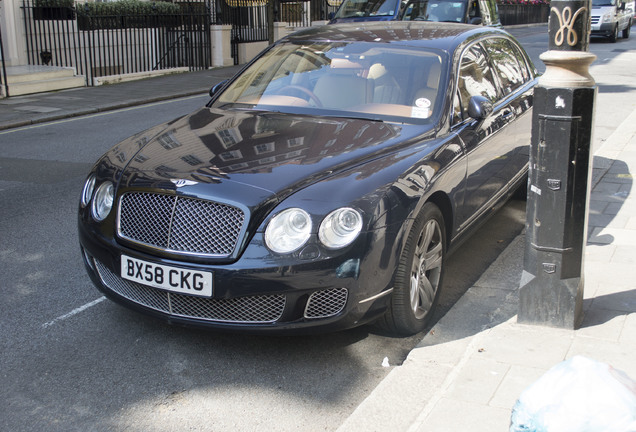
(214, 90)
(476, 20)
(479, 107)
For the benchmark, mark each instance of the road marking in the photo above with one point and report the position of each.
(74, 312)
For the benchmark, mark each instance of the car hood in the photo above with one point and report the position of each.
(275, 152)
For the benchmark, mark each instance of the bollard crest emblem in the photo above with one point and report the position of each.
(566, 25)
(569, 25)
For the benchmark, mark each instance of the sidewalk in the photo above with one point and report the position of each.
(30, 109)
(468, 372)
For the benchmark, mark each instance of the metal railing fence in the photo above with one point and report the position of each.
(102, 45)
(249, 20)
(512, 14)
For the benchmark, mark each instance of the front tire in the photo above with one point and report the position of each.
(614, 35)
(419, 275)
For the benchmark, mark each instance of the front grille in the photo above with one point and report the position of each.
(595, 19)
(181, 225)
(252, 309)
(326, 303)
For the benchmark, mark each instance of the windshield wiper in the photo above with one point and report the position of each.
(351, 117)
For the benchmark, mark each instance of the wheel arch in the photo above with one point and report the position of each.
(443, 202)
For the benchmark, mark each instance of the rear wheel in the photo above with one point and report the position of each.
(419, 274)
(627, 30)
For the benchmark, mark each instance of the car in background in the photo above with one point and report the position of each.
(322, 187)
(611, 18)
(462, 11)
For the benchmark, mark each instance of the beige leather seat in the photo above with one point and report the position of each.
(386, 89)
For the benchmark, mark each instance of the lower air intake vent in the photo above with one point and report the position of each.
(327, 303)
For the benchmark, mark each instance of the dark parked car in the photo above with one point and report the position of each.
(322, 187)
(462, 11)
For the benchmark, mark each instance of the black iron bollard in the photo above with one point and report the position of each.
(551, 288)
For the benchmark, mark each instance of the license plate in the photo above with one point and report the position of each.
(174, 279)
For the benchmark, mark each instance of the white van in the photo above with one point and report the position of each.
(611, 17)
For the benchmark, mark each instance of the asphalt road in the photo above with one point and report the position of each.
(72, 361)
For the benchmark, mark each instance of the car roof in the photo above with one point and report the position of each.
(442, 36)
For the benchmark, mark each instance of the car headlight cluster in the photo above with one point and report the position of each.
(607, 18)
(340, 228)
(102, 199)
(289, 230)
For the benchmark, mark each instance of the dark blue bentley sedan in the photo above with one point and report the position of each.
(320, 188)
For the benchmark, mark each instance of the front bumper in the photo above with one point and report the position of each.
(254, 294)
(604, 29)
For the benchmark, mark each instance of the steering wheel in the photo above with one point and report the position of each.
(303, 90)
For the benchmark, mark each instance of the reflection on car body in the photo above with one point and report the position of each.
(320, 188)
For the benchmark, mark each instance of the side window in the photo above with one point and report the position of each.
(506, 64)
(475, 78)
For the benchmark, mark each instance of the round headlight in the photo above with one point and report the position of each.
(288, 230)
(340, 228)
(103, 201)
(87, 192)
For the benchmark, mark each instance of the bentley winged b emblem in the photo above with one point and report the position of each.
(181, 183)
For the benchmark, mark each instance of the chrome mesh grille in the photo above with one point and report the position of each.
(182, 225)
(326, 303)
(253, 309)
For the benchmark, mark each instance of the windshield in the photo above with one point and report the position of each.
(360, 79)
(366, 8)
(603, 2)
(435, 10)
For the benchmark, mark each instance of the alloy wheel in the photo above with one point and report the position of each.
(426, 269)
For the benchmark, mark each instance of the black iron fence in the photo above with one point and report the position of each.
(511, 14)
(322, 10)
(296, 13)
(111, 44)
(249, 20)
(303, 13)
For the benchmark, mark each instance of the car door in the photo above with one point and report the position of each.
(511, 71)
(488, 142)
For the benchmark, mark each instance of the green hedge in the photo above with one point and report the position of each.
(127, 14)
(126, 7)
(54, 3)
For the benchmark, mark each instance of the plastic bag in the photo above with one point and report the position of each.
(577, 395)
